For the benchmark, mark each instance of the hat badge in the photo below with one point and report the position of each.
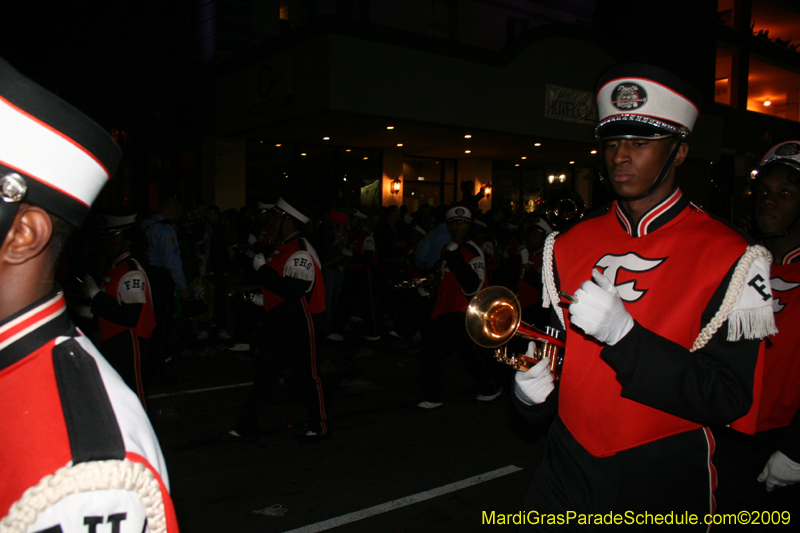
(460, 212)
(627, 96)
(13, 188)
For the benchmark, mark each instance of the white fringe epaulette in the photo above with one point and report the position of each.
(88, 477)
(550, 296)
(755, 323)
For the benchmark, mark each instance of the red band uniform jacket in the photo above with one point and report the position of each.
(649, 385)
(66, 410)
(462, 273)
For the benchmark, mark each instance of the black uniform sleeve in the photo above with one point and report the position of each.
(104, 305)
(713, 385)
(286, 287)
(469, 279)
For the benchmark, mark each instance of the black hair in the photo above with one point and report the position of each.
(62, 231)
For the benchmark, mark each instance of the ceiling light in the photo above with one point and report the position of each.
(593, 152)
(389, 127)
(348, 150)
(767, 103)
(572, 162)
(303, 153)
(326, 138)
(468, 136)
(399, 144)
(366, 158)
(524, 157)
(537, 144)
(516, 165)
(277, 145)
(467, 151)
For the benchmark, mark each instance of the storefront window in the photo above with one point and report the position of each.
(775, 23)
(772, 90)
(428, 181)
(725, 80)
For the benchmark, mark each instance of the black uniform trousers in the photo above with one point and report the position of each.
(669, 475)
(126, 352)
(286, 340)
(357, 299)
(447, 335)
(162, 289)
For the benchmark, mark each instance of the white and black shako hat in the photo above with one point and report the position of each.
(458, 213)
(786, 153)
(261, 206)
(51, 154)
(114, 221)
(285, 208)
(356, 213)
(638, 101)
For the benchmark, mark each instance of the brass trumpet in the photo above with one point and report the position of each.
(494, 316)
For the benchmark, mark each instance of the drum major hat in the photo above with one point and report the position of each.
(638, 101)
(51, 155)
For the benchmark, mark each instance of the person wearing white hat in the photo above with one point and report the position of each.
(122, 301)
(761, 472)
(292, 289)
(76, 447)
(462, 273)
(656, 350)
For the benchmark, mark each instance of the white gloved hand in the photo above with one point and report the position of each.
(258, 261)
(251, 239)
(779, 472)
(535, 385)
(89, 286)
(258, 299)
(347, 252)
(599, 311)
(453, 246)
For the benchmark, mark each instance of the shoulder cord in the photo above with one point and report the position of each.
(731, 295)
(87, 477)
(550, 296)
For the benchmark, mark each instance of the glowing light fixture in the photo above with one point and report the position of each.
(396, 185)
(399, 144)
(551, 178)
(278, 145)
(488, 190)
(467, 151)
(537, 144)
(389, 127)
(593, 152)
(468, 136)
(767, 103)
(562, 178)
(326, 138)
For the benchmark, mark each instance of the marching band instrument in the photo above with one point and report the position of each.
(494, 316)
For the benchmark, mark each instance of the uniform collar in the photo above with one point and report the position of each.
(121, 258)
(792, 257)
(31, 328)
(654, 219)
(291, 237)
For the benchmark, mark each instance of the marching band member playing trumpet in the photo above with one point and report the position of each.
(655, 350)
(462, 273)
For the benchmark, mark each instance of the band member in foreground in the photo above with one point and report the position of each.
(656, 350)
(292, 289)
(754, 471)
(76, 448)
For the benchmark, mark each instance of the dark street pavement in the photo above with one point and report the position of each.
(385, 468)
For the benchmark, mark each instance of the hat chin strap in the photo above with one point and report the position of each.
(661, 175)
(8, 210)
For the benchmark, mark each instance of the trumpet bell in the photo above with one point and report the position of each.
(494, 316)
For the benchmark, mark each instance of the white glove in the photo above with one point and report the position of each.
(535, 385)
(452, 247)
(259, 261)
(347, 252)
(89, 286)
(599, 311)
(779, 472)
(258, 299)
(251, 239)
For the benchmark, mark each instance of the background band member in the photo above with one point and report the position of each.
(753, 468)
(122, 302)
(462, 273)
(646, 369)
(67, 415)
(292, 289)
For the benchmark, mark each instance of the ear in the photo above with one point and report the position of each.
(29, 235)
(683, 150)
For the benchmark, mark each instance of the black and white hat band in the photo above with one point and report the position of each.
(787, 153)
(115, 222)
(284, 206)
(64, 157)
(644, 101)
(458, 212)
